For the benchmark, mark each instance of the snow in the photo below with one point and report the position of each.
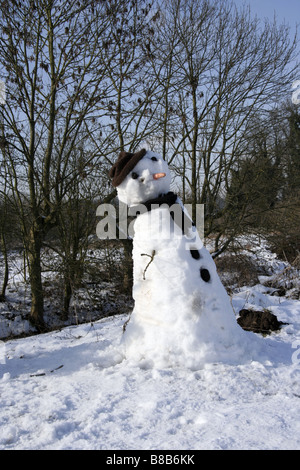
(73, 389)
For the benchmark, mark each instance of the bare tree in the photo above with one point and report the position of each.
(49, 51)
(3, 237)
(227, 66)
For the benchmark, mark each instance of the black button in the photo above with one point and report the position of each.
(204, 273)
(195, 253)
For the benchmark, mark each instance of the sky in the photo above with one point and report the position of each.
(286, 10)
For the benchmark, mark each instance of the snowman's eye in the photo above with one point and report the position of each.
(154, 159)
(134, 176)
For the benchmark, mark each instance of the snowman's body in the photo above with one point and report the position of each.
(182, 313)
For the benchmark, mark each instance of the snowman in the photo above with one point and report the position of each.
(182, 314)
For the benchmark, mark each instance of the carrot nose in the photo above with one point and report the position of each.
(156, 176)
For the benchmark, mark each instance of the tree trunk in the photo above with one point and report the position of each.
(6, 268)
(128, 268)
(194, 154)
(67, 298)
(35, 275)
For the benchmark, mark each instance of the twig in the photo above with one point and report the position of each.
(125, 324)
(151, 259)
(44, 373)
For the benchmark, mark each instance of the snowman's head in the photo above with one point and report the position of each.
(149, 178)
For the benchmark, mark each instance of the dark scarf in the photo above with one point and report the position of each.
(170, 198)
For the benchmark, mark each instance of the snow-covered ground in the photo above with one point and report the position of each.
(73, 388)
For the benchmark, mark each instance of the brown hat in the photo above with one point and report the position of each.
(125, 163)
